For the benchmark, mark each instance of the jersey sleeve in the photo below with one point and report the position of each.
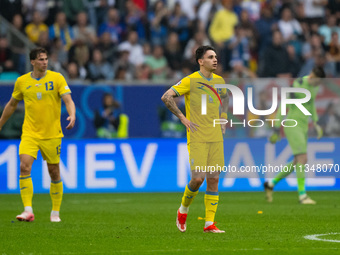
(17, 93)
(315, 116)
(223, 91)
(63, 87)
(182, 87)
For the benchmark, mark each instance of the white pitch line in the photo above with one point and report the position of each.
(316, 237)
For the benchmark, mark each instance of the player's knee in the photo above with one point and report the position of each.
(212, 184)
(212, 181)
(196, 182)
(301, 159)
(304, 159)
(25, 169)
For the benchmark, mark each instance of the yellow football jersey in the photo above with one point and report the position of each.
(193, 87)
(42, 98)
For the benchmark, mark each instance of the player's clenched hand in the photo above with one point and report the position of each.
(319, 130)
(189, 125)
(72, 120)
(275, 136)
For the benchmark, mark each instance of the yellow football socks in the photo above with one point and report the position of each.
(300, 175)
(211, 202)
(26, 190)
(188, 196)
(56, 192)
(284, 173)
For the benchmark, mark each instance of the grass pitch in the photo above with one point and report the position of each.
(145, 224)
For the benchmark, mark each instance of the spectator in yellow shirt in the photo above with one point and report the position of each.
(34, 28)
(223, 23)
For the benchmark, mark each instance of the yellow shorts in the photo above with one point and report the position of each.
(206, 156)
(49, 148)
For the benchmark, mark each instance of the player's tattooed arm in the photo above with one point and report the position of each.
(168, 99)
(224, 110)
(225, 102)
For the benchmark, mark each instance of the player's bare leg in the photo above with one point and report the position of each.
(56, 191)
(26, 187)
(269, 185)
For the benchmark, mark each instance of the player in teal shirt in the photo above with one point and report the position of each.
(297, 136)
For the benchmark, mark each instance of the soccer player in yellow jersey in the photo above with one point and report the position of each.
(205, 140)
(41, 91)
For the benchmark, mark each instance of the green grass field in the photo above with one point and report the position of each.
(145, 224)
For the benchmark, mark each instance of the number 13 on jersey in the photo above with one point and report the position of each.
(49, 85)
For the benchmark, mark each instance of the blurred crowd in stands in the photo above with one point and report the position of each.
(156, 39)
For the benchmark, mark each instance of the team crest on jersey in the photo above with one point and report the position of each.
(39, 95)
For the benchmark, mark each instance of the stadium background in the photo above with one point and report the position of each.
(138, 72)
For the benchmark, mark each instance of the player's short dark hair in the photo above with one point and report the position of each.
(36, 52)
(202, 50)
(319, 72)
